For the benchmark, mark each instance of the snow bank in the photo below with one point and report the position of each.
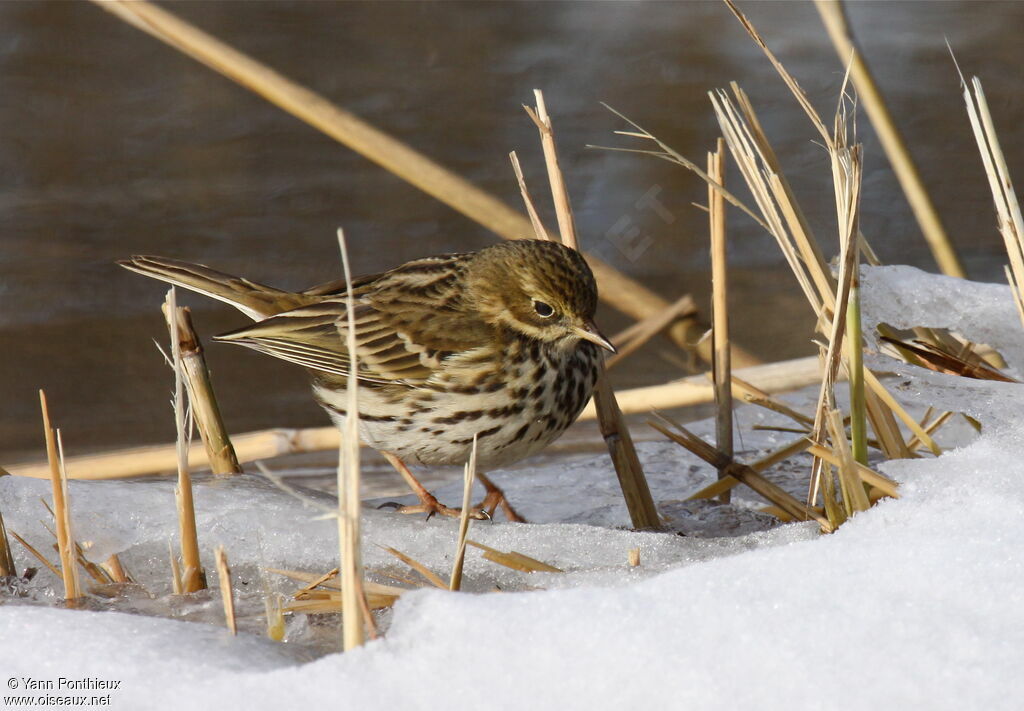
(917, 603)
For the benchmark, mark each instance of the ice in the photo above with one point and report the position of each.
(905, 297)
(916, 603)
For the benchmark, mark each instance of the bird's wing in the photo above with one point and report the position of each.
(405, 327)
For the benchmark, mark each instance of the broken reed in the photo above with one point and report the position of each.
(613, 427)
(722, 366)
(61, 511)
(353, 602)
(468, 477)
(202, 402)
(1008, 213)
(191, 577)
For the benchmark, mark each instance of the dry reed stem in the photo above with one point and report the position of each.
(613, 427)
(62, 514)
(743, 473)
(1011, 224)
(201, 398)
(750, 393)
(227, 594)
(772, 458)
(559, 192)
(39, 556)
(618, 290)
(329, 580)
(722, 370)
(846, 176)
(914, 444)
(855, 497)
(349, 514)
(538, 227)
(116, 570)
(893, 143)
(193, 577)
(514, 560)
(867, 475)
(419, 567)
(6, 559)
(152, 459)
(469, 476)
(635, 336)
(696, 389)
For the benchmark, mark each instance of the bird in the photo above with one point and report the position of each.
(497, 345)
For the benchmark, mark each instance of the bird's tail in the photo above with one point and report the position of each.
(254, 300)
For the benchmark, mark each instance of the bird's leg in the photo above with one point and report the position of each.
(428, 503)
(494, 498)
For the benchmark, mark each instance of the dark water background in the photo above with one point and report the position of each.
(113, 144)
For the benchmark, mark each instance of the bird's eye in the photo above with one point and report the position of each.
(543, 310)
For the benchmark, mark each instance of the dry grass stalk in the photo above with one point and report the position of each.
(855, 497)
(115, 570)
(330, 580)
(419, 567)
(96, 572)
(867, 475)
(764, 463)
(616, 435)
(153, 459)
(202, 401)
(632, 338)
(742, 472)
(38, 556)
(914, 444)
(748, 392)
(469, 476)
(722, 371)
(227, 594)
(620, 291)
(193, 577)
(1011, 224)
(846, 178)
(696, 389)
(538, 227)
(6, 559)
(349, 514)
(559, 193)
(62, 513)
(514, 560)
(834, 18)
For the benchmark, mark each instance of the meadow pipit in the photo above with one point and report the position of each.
(499, 343)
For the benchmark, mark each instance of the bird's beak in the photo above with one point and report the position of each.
(588, 332)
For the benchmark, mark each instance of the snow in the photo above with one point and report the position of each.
(917, 603)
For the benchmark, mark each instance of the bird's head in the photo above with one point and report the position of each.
(537, 288)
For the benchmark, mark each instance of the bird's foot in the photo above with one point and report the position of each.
(431, 506)
(495, 498)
